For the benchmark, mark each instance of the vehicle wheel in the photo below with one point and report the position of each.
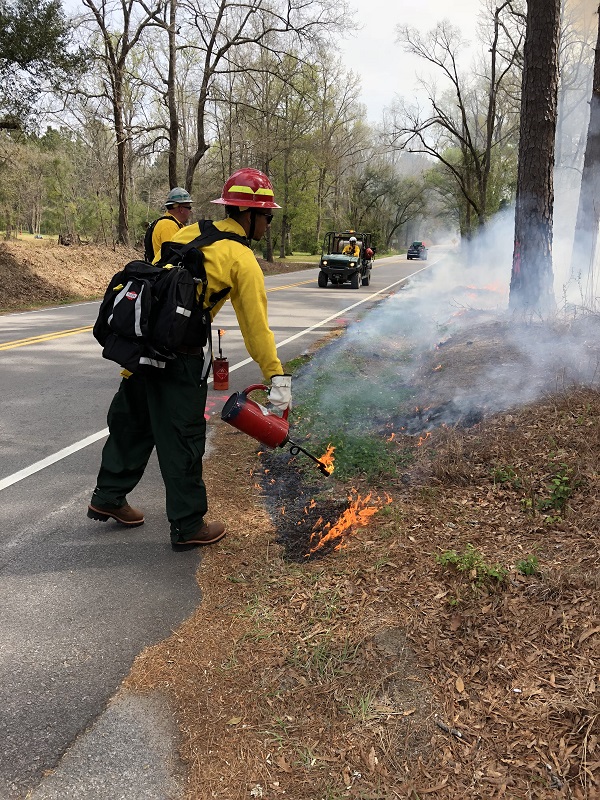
(355, 280)
(409, 258)
(367, 278)
(322, 280)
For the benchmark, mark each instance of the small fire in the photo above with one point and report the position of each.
(435, 369)
(327, 459)
(221, 332)
(423, 438)
(495, 287)
(391, 438)
(357, 514)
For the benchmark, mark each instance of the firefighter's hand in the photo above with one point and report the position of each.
(280, 394)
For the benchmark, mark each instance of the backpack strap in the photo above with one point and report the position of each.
(209, 233)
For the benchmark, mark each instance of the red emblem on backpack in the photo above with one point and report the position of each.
(131, 295)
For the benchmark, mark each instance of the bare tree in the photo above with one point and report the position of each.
(225, 31)
(121, 26)
(576, 57)
(466, 125)
(588, 211)
(531, 285)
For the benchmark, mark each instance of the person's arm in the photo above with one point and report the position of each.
(249, 300)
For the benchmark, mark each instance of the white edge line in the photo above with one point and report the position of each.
(73, 448)
(46, 462)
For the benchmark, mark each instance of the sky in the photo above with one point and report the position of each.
(384, 68)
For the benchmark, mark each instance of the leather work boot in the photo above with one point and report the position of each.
(209, 533)
(125, 515)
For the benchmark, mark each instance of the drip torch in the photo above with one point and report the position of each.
(257, 421)
(220, 368)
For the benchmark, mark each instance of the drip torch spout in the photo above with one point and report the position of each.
(296, 448)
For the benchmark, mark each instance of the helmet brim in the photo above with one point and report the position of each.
(246, 203)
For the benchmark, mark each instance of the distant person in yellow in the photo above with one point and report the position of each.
(179, 210)
(351, 249)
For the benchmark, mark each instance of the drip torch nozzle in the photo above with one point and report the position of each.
(296, 448)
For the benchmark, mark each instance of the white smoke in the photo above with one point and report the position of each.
(447, 338)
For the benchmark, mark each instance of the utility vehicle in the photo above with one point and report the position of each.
(337, 268)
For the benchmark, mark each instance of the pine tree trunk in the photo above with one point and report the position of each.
(588, 210)
(171, 102)
(531, 285)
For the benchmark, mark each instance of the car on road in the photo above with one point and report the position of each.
(417, 250)
(337, 268)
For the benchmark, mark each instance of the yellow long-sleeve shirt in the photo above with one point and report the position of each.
(231, 264)
(164, 231)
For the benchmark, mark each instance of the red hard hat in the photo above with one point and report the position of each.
(247, 188)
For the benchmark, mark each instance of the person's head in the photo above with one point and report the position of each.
(353, 240)
(179, 204)
(249, 199)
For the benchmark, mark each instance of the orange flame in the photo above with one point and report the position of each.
(435, 369)
(391, 438)
(423, 438)
(357, 514)
(221, 332)
(328, 458)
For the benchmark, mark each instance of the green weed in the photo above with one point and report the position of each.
(362, 708)
(528, 566)
(561, 490)
(324, 660)
(505, 475)
(294, 364)
(471, 562)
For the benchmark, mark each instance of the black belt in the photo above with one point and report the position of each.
(190, 351)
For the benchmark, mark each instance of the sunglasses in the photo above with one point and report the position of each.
(268, 217)
(188, 208)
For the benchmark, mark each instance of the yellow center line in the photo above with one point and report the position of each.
(45, 337)
(289, 285)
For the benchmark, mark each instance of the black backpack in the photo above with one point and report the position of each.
(149, 311)
(148, 249)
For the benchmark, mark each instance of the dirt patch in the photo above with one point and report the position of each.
(34, 274)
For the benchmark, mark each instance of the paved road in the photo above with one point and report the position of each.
(79, 599)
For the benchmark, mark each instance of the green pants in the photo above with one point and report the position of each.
(162, 408)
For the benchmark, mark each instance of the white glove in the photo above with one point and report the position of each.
(280, 394)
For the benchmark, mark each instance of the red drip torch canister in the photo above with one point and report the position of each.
(257, 421)
(220, 373)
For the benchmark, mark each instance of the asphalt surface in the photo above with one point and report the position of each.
(79, 600)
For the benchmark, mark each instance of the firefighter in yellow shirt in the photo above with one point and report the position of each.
(352, 248)
(179, 209)
(165, 408)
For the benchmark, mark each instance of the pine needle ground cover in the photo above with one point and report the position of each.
(448, 646)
